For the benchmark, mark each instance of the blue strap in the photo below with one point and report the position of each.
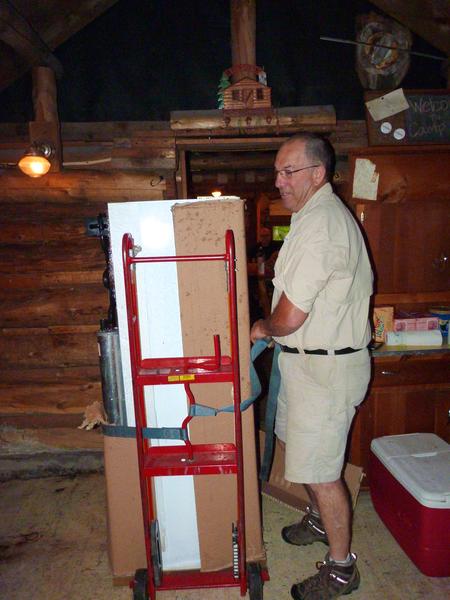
(271, 411)
(165, 433)
(200, 410)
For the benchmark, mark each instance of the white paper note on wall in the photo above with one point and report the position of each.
(387, 105)
(365, 180)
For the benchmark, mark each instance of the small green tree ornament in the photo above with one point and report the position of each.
(223, 84)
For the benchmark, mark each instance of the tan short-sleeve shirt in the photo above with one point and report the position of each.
(324, 269)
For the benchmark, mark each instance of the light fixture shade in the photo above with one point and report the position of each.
(35, 162)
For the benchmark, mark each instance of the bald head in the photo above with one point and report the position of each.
(301, 169)
(317, 149)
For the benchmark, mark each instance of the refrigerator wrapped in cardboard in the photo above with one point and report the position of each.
(198, 228)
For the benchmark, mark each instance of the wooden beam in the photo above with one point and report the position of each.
(233, 161)
(243, 36)
(42, 420)
(54, 434)
(181, 176)
(45, 128)
(314, 118)
(32, 281)
(50, 27)
(80, 305)
(32, 348)
(420, 17)
(16, 32)
(45, 101)
(92, 186)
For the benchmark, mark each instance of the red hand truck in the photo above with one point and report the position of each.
(187, 459)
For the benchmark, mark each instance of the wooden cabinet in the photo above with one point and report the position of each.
(408, 225)
(407, 229)
(408, 244)
(408, 394)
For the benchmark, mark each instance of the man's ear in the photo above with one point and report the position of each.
(319, 174)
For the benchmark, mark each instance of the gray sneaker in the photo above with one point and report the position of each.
(331, 581)
(309, 530)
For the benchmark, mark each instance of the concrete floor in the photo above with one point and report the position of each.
(53, 547)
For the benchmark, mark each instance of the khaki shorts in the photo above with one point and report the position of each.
(316, 406)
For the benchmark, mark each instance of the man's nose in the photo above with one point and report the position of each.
(278, 180)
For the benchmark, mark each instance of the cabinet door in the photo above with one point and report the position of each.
(409, 244)
(442, 414)
(408, 224)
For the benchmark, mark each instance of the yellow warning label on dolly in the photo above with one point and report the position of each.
(172, 378)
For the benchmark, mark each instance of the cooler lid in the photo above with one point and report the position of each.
(420, 462)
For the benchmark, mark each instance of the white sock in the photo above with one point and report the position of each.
(343, 563)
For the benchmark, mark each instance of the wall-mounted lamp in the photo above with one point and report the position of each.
(35, 162)
(216, 194)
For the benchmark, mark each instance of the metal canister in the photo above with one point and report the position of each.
(112, 378)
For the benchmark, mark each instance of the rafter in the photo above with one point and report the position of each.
(17, 33)
(429, 19)
(30, 31)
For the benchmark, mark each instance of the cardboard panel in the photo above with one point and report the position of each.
(200, 229)
(126, 546)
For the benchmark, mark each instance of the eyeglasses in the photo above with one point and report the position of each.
(287, 173)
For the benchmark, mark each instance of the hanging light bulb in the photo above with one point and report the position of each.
(35, 162)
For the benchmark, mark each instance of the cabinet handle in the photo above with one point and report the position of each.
(389, 373)
(440, 264)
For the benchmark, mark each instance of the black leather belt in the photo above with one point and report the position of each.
(319, 351)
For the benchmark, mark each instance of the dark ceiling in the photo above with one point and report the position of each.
(141, 59)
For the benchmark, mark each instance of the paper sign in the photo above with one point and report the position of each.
(365, 180)
(387, 105)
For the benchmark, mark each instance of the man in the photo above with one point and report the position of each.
(322, 288)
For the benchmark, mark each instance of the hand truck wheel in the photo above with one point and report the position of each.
(155, 546)
(140, 585)
(254, 581)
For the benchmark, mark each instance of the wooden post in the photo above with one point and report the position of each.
(243, 36)
(46, 128)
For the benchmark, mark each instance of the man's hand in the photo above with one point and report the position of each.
(257, 331)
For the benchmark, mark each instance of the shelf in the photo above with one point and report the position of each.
(208, 459)
(385, 350)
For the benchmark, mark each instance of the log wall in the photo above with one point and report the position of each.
(51, 291)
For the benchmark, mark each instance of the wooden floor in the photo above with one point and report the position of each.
(53, 547)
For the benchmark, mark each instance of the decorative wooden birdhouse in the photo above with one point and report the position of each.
(247, 94)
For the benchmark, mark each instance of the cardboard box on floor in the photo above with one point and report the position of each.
(200, 229)
(294, 494)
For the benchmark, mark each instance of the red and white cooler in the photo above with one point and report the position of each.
(410, 489)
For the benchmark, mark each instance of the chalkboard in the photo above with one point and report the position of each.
(427, 121)
(428, 118)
